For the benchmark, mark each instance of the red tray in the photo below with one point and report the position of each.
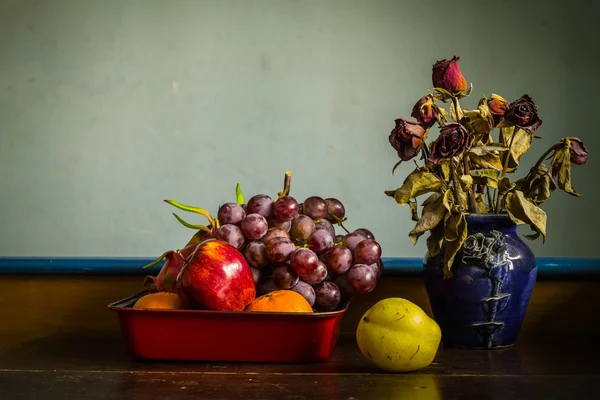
(238, 336)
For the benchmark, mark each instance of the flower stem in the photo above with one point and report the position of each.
(489, 196)
(538, 163)
(467, 170)
(457, 109)
(505, 167)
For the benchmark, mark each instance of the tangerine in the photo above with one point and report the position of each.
(159, 300)
(280, 301)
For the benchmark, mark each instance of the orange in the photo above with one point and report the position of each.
(280, 301)
(162, 300)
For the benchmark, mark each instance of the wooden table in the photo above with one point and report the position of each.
(58, 341)
(76, 365)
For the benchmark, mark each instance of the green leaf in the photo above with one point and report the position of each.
(159, 259)
(191, 226)
(239, 196)
(523, 211)
(416, 184)
(520, 145)
(487, 149)
(193, 209)
(487, 177)
(433, 213)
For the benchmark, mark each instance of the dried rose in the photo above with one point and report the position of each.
(579, 153)
(446, 75)
(407, 138)
(497, 106)
(523, 113)
(453, 141)
(425, 112)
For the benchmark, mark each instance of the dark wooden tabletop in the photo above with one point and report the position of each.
(90, 366)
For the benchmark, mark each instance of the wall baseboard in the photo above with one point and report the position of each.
(407, 266)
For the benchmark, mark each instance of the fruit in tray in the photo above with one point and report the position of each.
(268, 245)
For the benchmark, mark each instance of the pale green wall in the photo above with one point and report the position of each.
(109, 107)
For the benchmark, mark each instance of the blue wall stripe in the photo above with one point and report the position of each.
(548, 266)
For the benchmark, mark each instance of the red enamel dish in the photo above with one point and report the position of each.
(234, 336)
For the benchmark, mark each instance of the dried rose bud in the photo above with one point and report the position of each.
(523, 113)
(453, 141)
(579, 153)
(447, 75)
(497, 106)
(407, 138)
(424, 112)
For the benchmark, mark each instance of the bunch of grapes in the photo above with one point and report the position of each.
(294, 246)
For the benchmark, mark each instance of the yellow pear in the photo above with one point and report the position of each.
(398, 336)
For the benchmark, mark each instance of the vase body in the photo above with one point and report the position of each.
(484, 303)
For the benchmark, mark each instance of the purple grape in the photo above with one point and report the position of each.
(306, 291)
(304, 261)
(315, 207)
(274, 232)
(365, 232)
(285, 208)
(324, 224)
(302, 227)
(279, 249)
(352, 239)
(339, 260)
(231, 234)
(268, 286)
(284, 276)
(256, 254)
(362, 278)
(260, 204)
(377, 268)
(317, 276)
(334, 207)
(257, 276)
(367, 252)
(327, 295)
(254, 226)
(345, 287)
(274, 222)
(321, 241)
(231, 213)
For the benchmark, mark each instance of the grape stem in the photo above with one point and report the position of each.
(287, 181)
(339, 222)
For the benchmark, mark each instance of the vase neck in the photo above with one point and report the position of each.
(490, 222)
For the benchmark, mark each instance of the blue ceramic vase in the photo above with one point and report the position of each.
(484, 303)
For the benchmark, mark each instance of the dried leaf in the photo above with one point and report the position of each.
(481, 206)
(466, 180)
(505, 185)
(520, 145)
(452, 247)
(479, 123)
(431, 199)
(435, 240)
(487, 177)
(433, 213)
(487, 149)
(413, 210)
(416, 184)
(458, 187)
(489, 160)
(561, 162)
(523, 211)
(452, 231)
(539, 186)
